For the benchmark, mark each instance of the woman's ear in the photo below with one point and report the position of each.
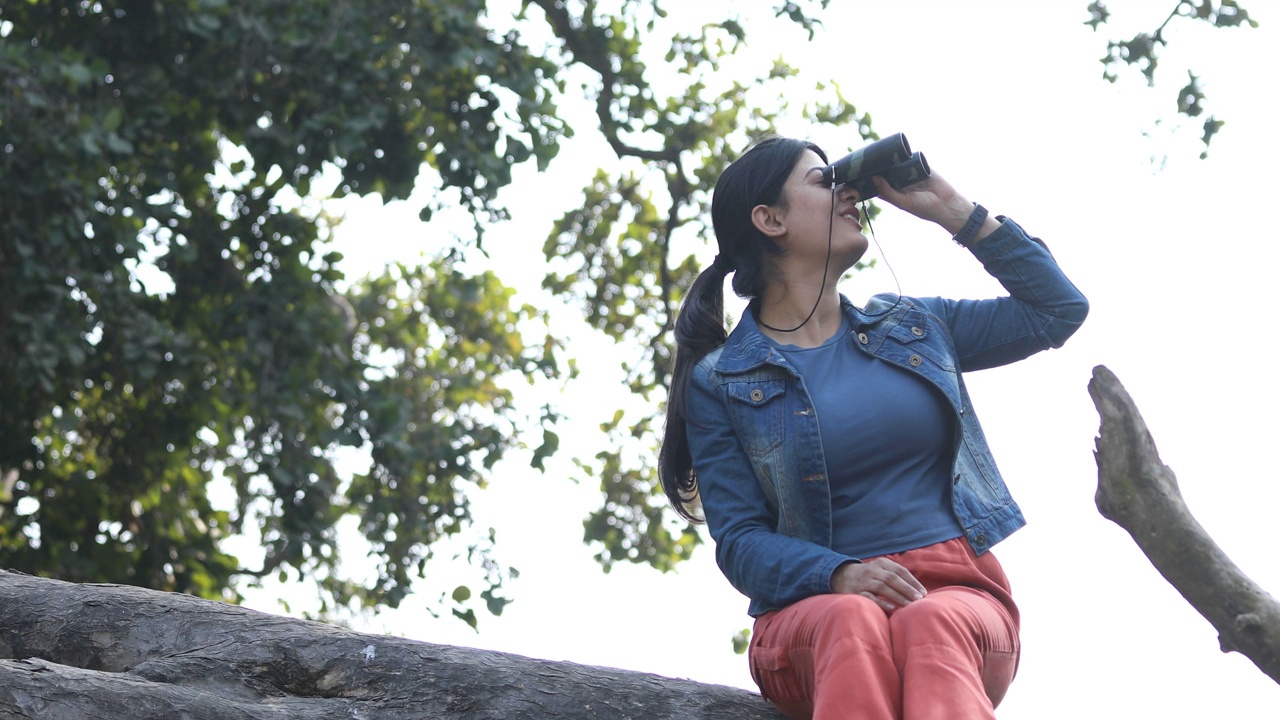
(768, 219)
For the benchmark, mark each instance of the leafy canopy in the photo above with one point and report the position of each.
(174, 330)
(170, 316)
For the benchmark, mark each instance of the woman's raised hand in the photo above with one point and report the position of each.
(933, 199)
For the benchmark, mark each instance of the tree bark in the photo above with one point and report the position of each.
(112, 651)
(1140, 494)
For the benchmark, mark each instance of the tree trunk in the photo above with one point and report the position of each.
(1140, 494)
(113, 651)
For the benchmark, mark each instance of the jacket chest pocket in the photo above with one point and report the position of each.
(919, 344)
(758, 409)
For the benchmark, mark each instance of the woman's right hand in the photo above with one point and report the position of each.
(889, 584)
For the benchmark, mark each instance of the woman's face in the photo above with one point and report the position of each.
(810, 213)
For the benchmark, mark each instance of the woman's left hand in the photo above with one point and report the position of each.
(934, 200)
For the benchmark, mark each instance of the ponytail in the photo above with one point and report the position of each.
(699, 330)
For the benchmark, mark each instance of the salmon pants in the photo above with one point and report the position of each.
(950, 655)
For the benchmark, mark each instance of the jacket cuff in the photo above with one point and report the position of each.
(825, 577)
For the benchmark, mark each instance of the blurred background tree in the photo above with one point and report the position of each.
(170, 317)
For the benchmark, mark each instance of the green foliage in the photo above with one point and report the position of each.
(169, 317)
(181, 358)
(1142, 51)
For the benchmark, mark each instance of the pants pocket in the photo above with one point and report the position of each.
(998, 669)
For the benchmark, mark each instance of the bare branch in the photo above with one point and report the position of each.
(1140, 494)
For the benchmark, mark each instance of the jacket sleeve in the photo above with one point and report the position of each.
(766, 566)
(1042, 310)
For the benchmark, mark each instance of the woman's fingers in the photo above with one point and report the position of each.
(885, 605)
(893, 582)
(883, 580)
(933, 199)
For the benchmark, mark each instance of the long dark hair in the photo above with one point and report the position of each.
(756, 178)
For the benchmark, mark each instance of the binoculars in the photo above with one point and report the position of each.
(889, 157)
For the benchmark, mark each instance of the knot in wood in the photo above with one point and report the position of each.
(1248, 622)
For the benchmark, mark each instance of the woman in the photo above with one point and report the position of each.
(834, 452)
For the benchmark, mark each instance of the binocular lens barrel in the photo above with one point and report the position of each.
(890, 157)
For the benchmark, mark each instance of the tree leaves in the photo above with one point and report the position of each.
(1142, 51)
(180, 358)
(169, 317)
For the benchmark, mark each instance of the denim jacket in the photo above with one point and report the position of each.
(753, 434)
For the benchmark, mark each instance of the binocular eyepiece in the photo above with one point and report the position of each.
(890, 157)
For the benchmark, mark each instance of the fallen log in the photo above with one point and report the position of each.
(113, 651)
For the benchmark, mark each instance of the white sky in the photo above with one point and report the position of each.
(1006, 100)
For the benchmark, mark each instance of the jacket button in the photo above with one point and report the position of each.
(862, 338)
(915, 361)
(756, 396)
(917, 332)
(981, 539)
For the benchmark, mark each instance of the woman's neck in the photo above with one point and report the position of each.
(777, 313)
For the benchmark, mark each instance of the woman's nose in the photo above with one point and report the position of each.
(848, 193)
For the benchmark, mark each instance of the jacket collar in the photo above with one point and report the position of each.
(747, 348)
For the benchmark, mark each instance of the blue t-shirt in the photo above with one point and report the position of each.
(886, 436)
